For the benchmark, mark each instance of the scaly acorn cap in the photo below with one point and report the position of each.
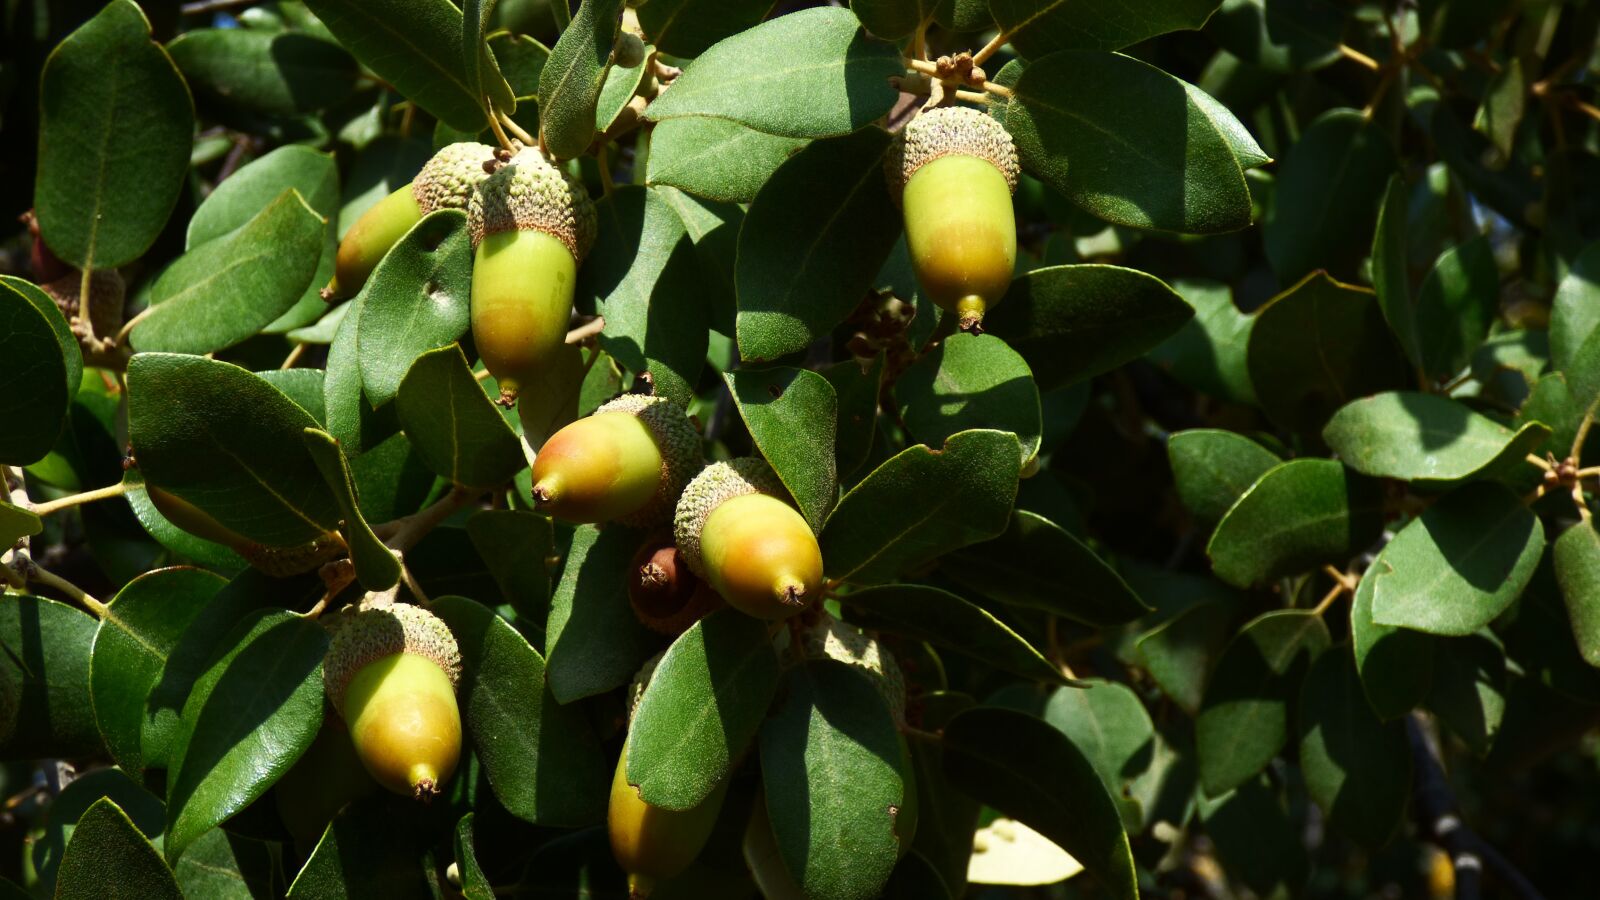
(448, 179)
(531, 193)
(841, 641)
(366, 635)
(715, 485)
(679, 443)
(950, 131)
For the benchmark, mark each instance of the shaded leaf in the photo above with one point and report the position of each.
(377, 568)
(415, 301)
(1575, 309)
(836, 778)
(929, 614)
(229, 443)
(1179, 652)
(570, 82)
(227, 289)
(920, 504)
(1040, 26)
(813, 240)
(1357, 767)
(541, 758)
(108, 849)
(142, 625)
(1244, 718)
(514, 545)
(1077, 583)
(1426, 438)
(1212, 469)
(718, 159)
(44, 679)
(688, 28)
(281, 73)
(414, 45)
(1033, 773)
(1208, 352)
(1171, 168)
(250, 716)
(970, 381)
(1461, 563)
(105, 88)
(1300, 514)
(453, 424)
(791, 414)
(1470, 685)
(1279, 35)
(1327, 190)
(645, 279)
(701, 709)
(1337, 324)
(808, 74)
(1395, 664)
(1071, 322)
(41, 366)
(593, 641)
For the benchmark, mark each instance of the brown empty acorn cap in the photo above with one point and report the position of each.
(367, 635)
(531, 193)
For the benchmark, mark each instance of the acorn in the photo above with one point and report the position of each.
(532, 224)
(652, 844)
(754, 549)
(445, 182)
(391, 672)
(627, 463)
(279, 562)
(953, 172)
(666, 597)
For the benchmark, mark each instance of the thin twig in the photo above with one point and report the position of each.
(989, 49)
(402, 534)
(105, 493)
(499, 132)
(516, 130)
(1576, 453)
(587, 330)
(289, 361)
(50, 579)
(1539, 461)
(412, 586)
(1357, 56)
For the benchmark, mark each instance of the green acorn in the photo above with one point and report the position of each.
(626, 463)
(652, 844)
(532, 224)
(391, 672)
(753, 548)
(953, 171)
(445, 182)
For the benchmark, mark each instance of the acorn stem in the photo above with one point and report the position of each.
(50, 506)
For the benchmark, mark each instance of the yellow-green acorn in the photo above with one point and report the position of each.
(391, 673)
(532, 224)
(752, 547)
(953, 171)
(445, 182)
(652, 844)
(279, 562)
(626, 463)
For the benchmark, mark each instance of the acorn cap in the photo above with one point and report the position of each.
(531, 193)
(446, 181)
(679, 443)
(716, 484)
(364, 636)
(841, 641)
(950, 131)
